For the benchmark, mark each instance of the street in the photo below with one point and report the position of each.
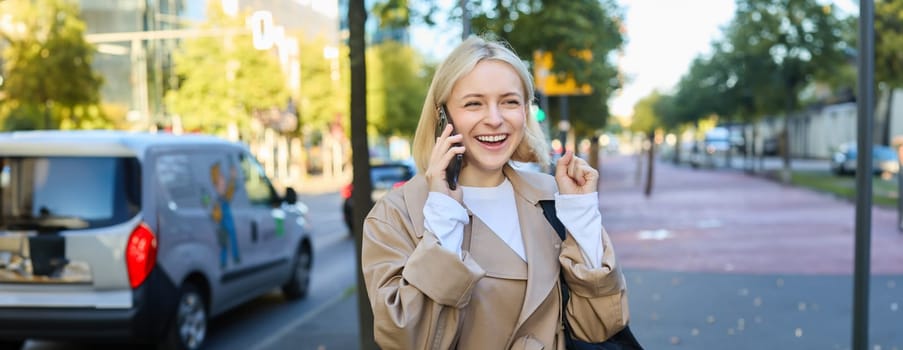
(267, 319)
(715, 258)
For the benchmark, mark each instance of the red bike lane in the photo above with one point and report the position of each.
(722, 220)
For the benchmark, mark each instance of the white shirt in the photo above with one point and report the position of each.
(495, 206)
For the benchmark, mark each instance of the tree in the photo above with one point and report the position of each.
(357, 16)
(224, 80)
(800, 38)
(397, 81)
(324, 95)
(889, 42)
(733, 81)
(564, 28)
(888, 55)
(48, 79)
(667, 108)
(646, 120)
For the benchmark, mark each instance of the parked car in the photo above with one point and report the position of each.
(384, 178)
(712, 150)
(138, 237)
(884, 159)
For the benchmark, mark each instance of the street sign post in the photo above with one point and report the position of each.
(550, 85)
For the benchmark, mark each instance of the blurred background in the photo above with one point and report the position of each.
(725, 132)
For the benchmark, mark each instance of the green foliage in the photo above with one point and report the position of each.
(324, 85)
(645, 116)
(393, 13)
(48, 79)
(402, 13)
(564, 28)
(397, 82)
(23, 117)
(884, 192)
(780, 46)
(889, 42)
(224, 80)
(770, 52)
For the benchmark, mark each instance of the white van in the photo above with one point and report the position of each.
(138, 237)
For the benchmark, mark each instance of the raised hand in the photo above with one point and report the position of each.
(575, 176)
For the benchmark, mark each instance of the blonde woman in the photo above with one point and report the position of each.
(475, 264)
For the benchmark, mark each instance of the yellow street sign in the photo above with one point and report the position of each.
(548, 83)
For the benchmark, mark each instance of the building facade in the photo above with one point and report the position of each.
(136, 41)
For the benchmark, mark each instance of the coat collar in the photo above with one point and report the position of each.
(541, 244)
(540, 241)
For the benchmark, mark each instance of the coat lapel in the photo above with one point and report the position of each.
(540, 243)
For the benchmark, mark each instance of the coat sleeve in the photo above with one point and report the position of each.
(416, 287)
(597, 308)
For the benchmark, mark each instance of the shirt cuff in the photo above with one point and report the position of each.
(445, 217)
(580, 215)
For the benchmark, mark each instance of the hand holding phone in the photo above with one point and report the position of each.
(454, 167)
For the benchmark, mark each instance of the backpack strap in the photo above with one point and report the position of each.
(548, 209)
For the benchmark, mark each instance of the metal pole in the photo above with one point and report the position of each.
(565, 124)
(862, 253)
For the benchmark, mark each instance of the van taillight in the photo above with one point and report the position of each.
(140, 254)
(346, 191)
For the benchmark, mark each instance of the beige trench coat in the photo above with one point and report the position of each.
(421, 292)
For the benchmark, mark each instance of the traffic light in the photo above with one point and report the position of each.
(540, 115)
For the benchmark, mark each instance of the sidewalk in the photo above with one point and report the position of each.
(719, 220)
(719, 259)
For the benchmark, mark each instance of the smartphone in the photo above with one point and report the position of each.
(454, 168)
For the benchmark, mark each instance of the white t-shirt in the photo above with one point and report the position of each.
(496, 206)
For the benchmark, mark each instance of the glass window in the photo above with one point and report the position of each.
(68, 192)
(257, 185)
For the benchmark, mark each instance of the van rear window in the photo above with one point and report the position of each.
(68, 193)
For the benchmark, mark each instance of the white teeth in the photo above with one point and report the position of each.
(492, 138)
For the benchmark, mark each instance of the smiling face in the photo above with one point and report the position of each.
(488, 107)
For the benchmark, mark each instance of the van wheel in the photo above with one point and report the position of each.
(7, 344)
(299, 282)
(189, 324)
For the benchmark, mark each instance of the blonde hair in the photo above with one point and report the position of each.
(462, 60)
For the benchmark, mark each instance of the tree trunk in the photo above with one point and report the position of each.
(639, 165)
(728, 156)
(360, 158)
(785, 143)
(301, 150)
(594, 152)
(47, 122)
(749, 143)
(651, 161)
(677, 147)
(759, 150)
